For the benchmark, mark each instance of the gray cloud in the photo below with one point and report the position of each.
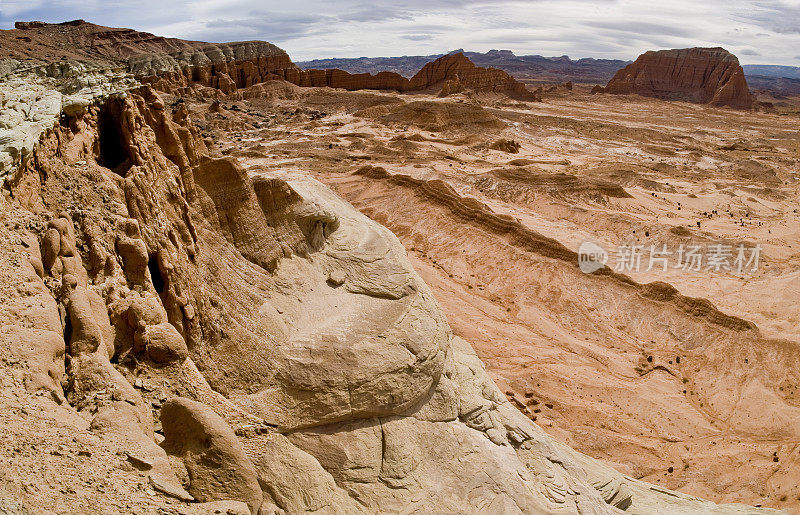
(756, 30)
(375, 14)
(258, 24)
(417, 37)
(641, 27)
(778, 17)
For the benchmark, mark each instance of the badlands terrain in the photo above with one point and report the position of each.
(233, 285)
(778, 82)
(694, 394)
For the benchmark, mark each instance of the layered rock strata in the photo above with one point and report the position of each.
(702, 75)
(174, 65)
(242, 65)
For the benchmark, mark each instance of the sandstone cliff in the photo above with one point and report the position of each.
(39, 42)
(458, 68)
(449, 74)
(236, 66)
(174, 65)
(224, 67)
(703, 75)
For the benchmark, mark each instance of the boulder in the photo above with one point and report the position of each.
(217, 465)
(506, 145)
(164, 343)
(297, 481)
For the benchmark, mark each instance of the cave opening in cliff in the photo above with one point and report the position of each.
(155, 274)
(113, 149)
(67, 332)
(67, 336)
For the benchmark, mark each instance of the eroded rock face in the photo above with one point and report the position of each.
(456, 72)
(33, 102)
(372, 344)
(220, 69)
(452, 73)
(297, 481)
(702, 75)
(241, 66)
(224, 67)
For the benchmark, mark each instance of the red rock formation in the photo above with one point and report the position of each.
(240, 65)
(458, 69)
(174, 65)
(235, 66)
(349, 81)
(41, 42)
(226, 67)
(702, 75)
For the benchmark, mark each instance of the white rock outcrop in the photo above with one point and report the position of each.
(33, 98)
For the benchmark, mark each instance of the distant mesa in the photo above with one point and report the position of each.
(701, 75)
(533, 69)
(457, 68)
(776, 71)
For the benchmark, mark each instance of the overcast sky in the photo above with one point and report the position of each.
(758, 32)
